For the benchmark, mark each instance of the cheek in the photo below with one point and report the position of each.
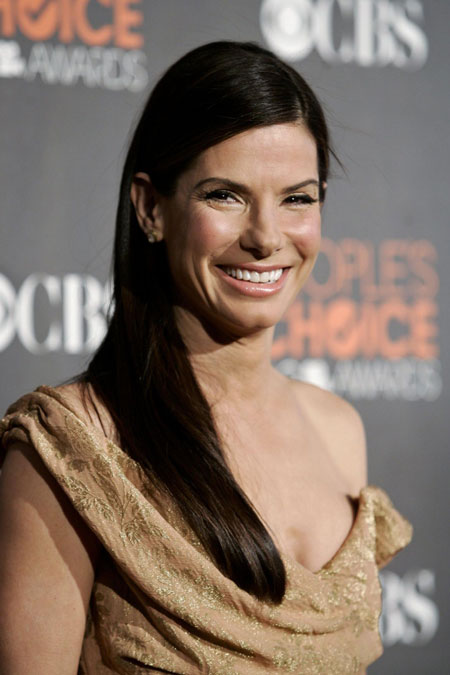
(209, 234)
(307, 236)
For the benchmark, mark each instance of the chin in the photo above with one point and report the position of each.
(253, 322)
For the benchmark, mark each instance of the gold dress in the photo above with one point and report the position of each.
(159, 604)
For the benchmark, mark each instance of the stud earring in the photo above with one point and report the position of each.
(151, 237)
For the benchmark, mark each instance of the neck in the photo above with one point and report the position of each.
(234, 370)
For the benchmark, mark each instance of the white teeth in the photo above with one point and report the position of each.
(255, 277)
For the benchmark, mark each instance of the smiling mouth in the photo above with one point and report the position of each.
(266, 277)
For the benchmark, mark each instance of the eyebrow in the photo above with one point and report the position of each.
(243, 188)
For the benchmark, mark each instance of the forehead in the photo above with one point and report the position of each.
(271, 150)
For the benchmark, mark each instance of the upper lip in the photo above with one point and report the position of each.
(255, 267)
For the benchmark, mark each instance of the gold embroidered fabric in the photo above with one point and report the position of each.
(159, 604)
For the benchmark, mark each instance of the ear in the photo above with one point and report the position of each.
(147, 205)
(324, 191)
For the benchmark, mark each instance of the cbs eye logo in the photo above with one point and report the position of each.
(364, 32)
(48, 313)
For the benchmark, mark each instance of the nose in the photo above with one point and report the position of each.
(261, 235)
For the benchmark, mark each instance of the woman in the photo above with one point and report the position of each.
(203, 512)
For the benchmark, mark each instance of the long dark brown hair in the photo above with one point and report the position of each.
(141, 372)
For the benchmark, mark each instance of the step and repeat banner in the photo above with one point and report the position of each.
(370, 324)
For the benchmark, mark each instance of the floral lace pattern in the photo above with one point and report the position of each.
(159, 604)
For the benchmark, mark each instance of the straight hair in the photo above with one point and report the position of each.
(141, 372)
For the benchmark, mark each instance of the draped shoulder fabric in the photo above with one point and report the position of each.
(159, 604)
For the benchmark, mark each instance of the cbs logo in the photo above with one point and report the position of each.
(49, 313)
(364, 32)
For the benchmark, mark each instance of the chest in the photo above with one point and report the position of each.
(290, 478)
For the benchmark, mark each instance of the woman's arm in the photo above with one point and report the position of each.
(47, 562)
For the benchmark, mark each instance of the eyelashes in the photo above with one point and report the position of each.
(300, 199)
(219, 195)
(226, 196)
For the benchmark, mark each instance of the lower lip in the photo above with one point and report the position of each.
(255, 290)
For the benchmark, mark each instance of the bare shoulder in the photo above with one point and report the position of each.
(29, 492)
(46, 569)
(340, 426)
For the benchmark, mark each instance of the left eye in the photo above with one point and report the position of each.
(300, 199)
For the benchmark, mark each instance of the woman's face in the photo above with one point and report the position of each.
(247, 205)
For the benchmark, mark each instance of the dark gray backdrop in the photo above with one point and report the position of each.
(70, 89)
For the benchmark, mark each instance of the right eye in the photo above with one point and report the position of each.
(220, 195)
